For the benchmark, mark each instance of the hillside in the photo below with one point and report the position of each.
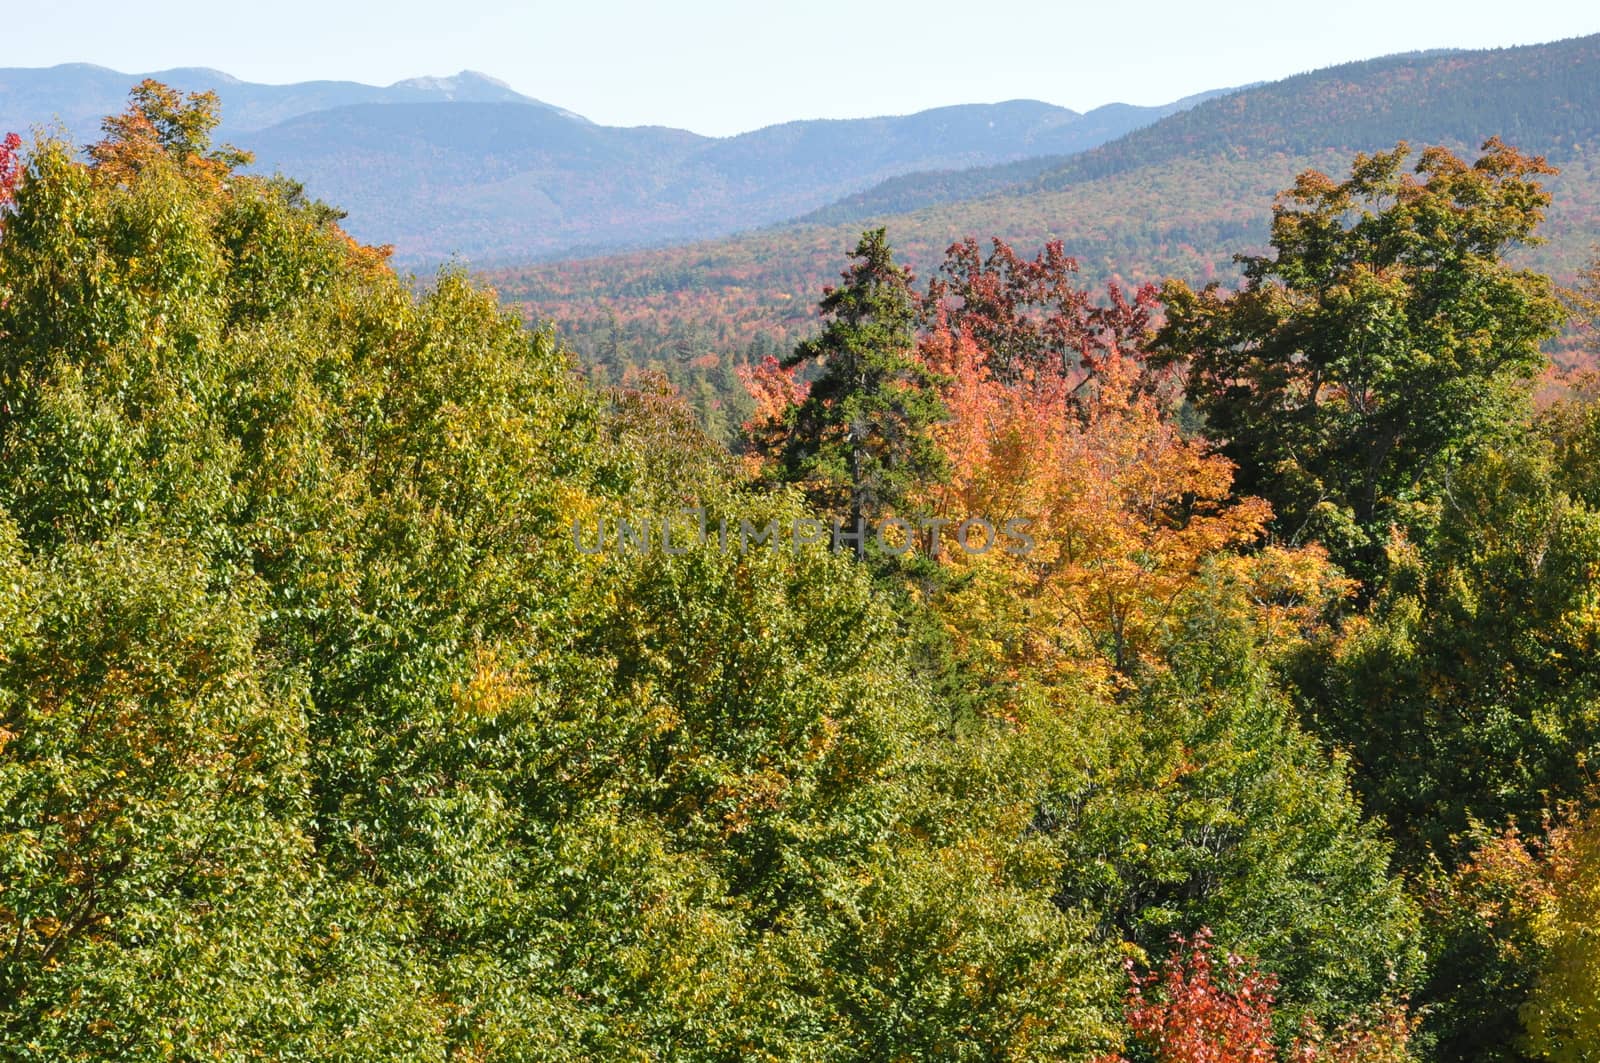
(1171, 199)
(499, 182)
(1543, 92)
(929, 187)
(1543, 97)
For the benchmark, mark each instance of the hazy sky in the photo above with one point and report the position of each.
(723, 66)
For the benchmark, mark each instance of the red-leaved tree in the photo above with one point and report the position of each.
(1201, 1008)
(1030, 316)
(10, 167)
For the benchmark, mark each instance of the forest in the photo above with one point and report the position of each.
(324, 736)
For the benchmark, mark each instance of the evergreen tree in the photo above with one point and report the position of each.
(861, 441)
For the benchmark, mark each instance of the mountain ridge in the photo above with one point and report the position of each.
(501, 183)
(1150, 204)
(496, 176)
(79, 95)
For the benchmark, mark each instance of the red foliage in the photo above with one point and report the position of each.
(776, 391)
(1195, 1010)
(10, 167)
(1031, 316)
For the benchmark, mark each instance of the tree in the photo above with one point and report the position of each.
(1123, 510)
(10, 167)
(1383, 342)
(1468, 692)
(860, 441)
(1199, 1011)
(318, 739)
(1562, 1014)
(1031, 317)
(1584, 302)
(162, 124)
(1195, 1009)
(1516, 922)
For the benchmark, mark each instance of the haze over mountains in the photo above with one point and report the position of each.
(1542, 97)
(465, 165)
(1179, 197)
(79, 95)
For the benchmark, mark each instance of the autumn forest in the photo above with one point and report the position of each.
(1189, 666)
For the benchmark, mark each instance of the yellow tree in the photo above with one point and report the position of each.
(1562, 1015)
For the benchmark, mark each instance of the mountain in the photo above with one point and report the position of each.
(465, 165)
(924, 188)
(1178, 197)
(502, 182)
(1544, 98)
(79, 95)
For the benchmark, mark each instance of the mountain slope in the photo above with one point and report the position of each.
(1177, 198)
(1545, 97)
(925, 188)
(499, 182)
(1546, 94)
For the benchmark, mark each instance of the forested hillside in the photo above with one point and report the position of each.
(1545, 95)
(1046, 672)
(1178, 198)
(502, 182)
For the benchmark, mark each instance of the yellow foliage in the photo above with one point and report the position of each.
(492, 688)
(1562, 1015)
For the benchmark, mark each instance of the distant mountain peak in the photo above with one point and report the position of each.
(80, 94)
(449, 86)
(478, 75)
(209, 73)
(472, 86)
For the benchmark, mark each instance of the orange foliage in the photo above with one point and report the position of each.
(161, 123)
(776, 390)
(1124, 509)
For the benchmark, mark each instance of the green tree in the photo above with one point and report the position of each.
(1212, 806)
(1469, 699)
(860, 442)
(319, 739)
(1384, 341)
(1470, 693)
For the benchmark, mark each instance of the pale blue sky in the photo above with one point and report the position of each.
(723, 66)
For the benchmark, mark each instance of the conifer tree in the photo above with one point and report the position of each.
(861, 441)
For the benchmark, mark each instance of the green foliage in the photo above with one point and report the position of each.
(322, 741)
(1562, 1015)
(1383, 343)
(1468, 700)
(1471, 694)
(1215, 809)
(861, 441)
